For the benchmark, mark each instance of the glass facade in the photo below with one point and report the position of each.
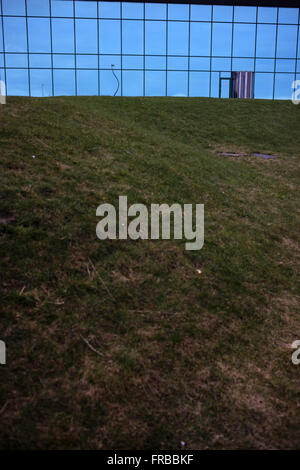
(65, 47)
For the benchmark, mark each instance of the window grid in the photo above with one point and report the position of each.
(143, 70)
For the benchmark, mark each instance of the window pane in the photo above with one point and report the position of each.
(244, 40)
(107, 60)
(16, 60)
(108, 84)
(177, 63)
(87, 82)
(15, 34)
(40, 60)
(265, 65)
(178, 12)
(133, 10)
(1, 37)
(39, 34)
(38, 7)
(16, 7)
(63, 35)
(245, 14)
(64, 82)
(155, 84)
(267, 15)
(177, 83)
(287, 41)
(109, 29)
(266, 37)
(199, 84)
(201, 12)
(87, 61)
(263, 85)
(222, 13)
(133, 62)
(61, 8)
(155, 37)
(132, 83)
(178, 38)
(1, 65)
(17, 82)
(283, 86)
(199, 63)
(221, 64)
(246, 65)
(155, 62)
(215, 84)
(86, 9)
(64, 61)
(86, 36)
(288, 15)
(200, 38)
(283, 65)
(109, 9)
(155, 11)
(132, 35)
(40, 82)
(222, 33)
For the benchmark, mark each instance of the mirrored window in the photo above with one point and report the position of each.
(132, 36)
(15, 34)
(62, 8)
(64, 61)
(132, 10)
(86, 9)
(240, 65)
(178, 12)
(245, 14)
(222, 34)
(199, 83)
(201, 12)
(244, 40)
(40, 60)
(109, 9)
(16, 7)
(177, 63)
(178, 38)
(87, 61)
(109, 29)
(39, 34)
(63, 35)
(263, 86)
(222, 13)
(266, 39)
(283, 83)
(40, 82)
(199, 63)
(265, 65)
(285, 65)
(288, 15)
(200, 34)
(155, 11)
(108, 83)
(156, 62)
(64, 82)
(155, 83)
(16, 60)
(17, 82)
(87, 82)
(286, 41)
(267, 15)
(219, 64)
(38, 7)
(133, 62)
(132, 83)
(106, 61)
(177, 84)
(86, 36)
(155, 40)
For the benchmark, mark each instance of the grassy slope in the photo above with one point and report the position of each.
(204, 359)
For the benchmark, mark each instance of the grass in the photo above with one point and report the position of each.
(123, 344)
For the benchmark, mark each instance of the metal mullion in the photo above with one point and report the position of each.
(98, 48)
(167, 46)
(75, 60)
(121, 45)
(3, 45)
(275, 58)
(297, 44)
(211, 43)
(144, 50)
(27, 40)
(189, 51)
